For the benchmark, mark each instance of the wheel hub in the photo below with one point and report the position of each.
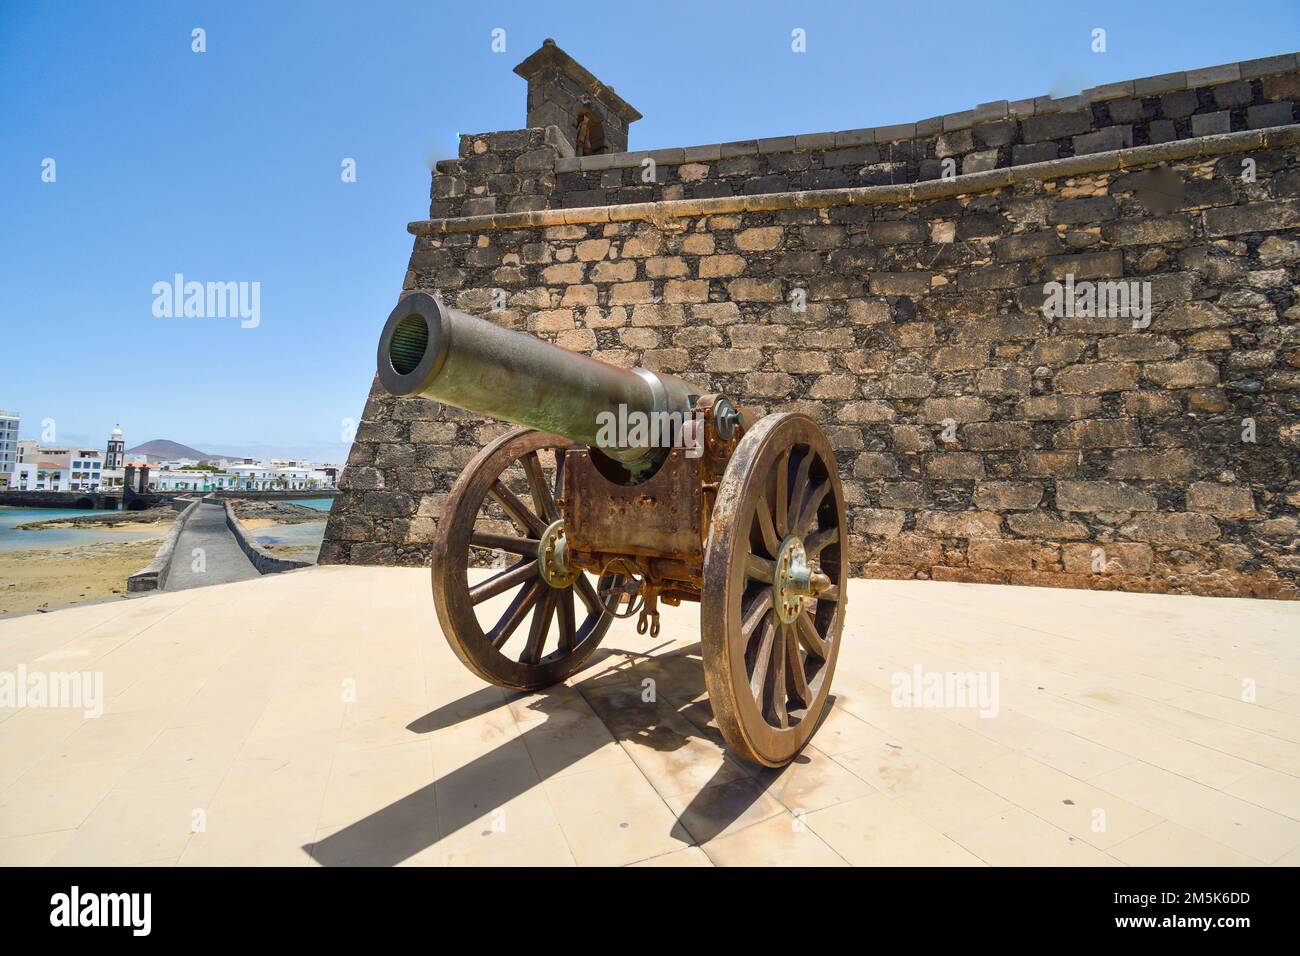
(552, 557)
(794, 580)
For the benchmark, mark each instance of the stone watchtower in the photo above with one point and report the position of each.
(562, 93)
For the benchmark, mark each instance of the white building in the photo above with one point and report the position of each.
(191, 479)
(85, 470)
(8, 444)
(253, 477)
(39, 476)
(57, 469)
(301, 478)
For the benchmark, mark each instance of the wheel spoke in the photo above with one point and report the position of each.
(796, 680)
(771, 540)
(504, 542)
(808, 635)
(588, 595)
(541, 626)
(760, 569)
(779, 689)
(503, 582)
(515, 508)
(800, 486)
(568, 625)
(754, 614)
(782, 494)
(816, 542)
(762, 659)
(808, 510)
(515, 613)
(543, 500)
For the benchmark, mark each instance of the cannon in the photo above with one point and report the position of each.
(623, 488)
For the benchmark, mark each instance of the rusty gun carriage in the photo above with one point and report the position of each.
(624, 488)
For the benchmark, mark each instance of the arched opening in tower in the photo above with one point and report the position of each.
(590, 137)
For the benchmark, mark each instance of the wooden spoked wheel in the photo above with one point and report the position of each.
(770, 639)
(503, 502)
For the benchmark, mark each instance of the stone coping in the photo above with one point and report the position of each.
(869, 195)
(984, 113)
(153, 576)
(263, 560)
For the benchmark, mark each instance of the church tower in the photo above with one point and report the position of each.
(116, 450)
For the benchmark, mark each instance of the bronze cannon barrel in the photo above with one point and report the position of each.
(440, 353)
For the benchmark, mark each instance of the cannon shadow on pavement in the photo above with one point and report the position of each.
(573, 721)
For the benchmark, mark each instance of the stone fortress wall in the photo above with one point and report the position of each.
(899, 300)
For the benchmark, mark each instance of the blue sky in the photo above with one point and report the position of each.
(225, 165)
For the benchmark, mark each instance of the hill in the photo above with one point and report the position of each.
(160, 449)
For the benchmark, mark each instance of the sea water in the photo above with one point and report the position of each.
(11, 539)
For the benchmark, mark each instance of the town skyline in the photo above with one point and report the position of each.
(31, 429)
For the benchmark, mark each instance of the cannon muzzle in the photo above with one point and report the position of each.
(439, 353)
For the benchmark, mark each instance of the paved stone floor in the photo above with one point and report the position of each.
(319, 717)
(223, 560)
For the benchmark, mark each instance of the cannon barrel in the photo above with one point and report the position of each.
(440, 353)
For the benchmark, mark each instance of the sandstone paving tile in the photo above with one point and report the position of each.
(612, 816)
(933, 734)
(1176, 754)
(401, 831)
(686, 856)
(1017, 837)
(1279, 792)
(1168, 844)
(161, 689)
(301, 711)
(1091, 815)
(1227, 683)
(782, 840)
(718, 811)
(363, 782)
(1290, 859)
(463, 741)
(33, 849)
(571, 741)
(179, 753)
(1240, 714)
(876, 830)
(129, 827)
(1225, 819)
(544, 847)
(373, 723)
(1060, 749)
(667, 747)
(812, 781)
(677, 675)
(30, 736)
(1235, 741)
(243, 836)
(937, 794)
(113, 735)
(56, 794)
(499, 789)
(1287, 705)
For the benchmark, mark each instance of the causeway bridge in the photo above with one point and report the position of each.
(207, 545)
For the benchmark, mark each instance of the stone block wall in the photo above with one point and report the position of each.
(980, 439)
(494, 175)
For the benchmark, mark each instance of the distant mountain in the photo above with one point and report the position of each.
(160, 449)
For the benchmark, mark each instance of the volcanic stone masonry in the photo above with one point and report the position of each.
(899, 299)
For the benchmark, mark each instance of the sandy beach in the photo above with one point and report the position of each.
(57, 576)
